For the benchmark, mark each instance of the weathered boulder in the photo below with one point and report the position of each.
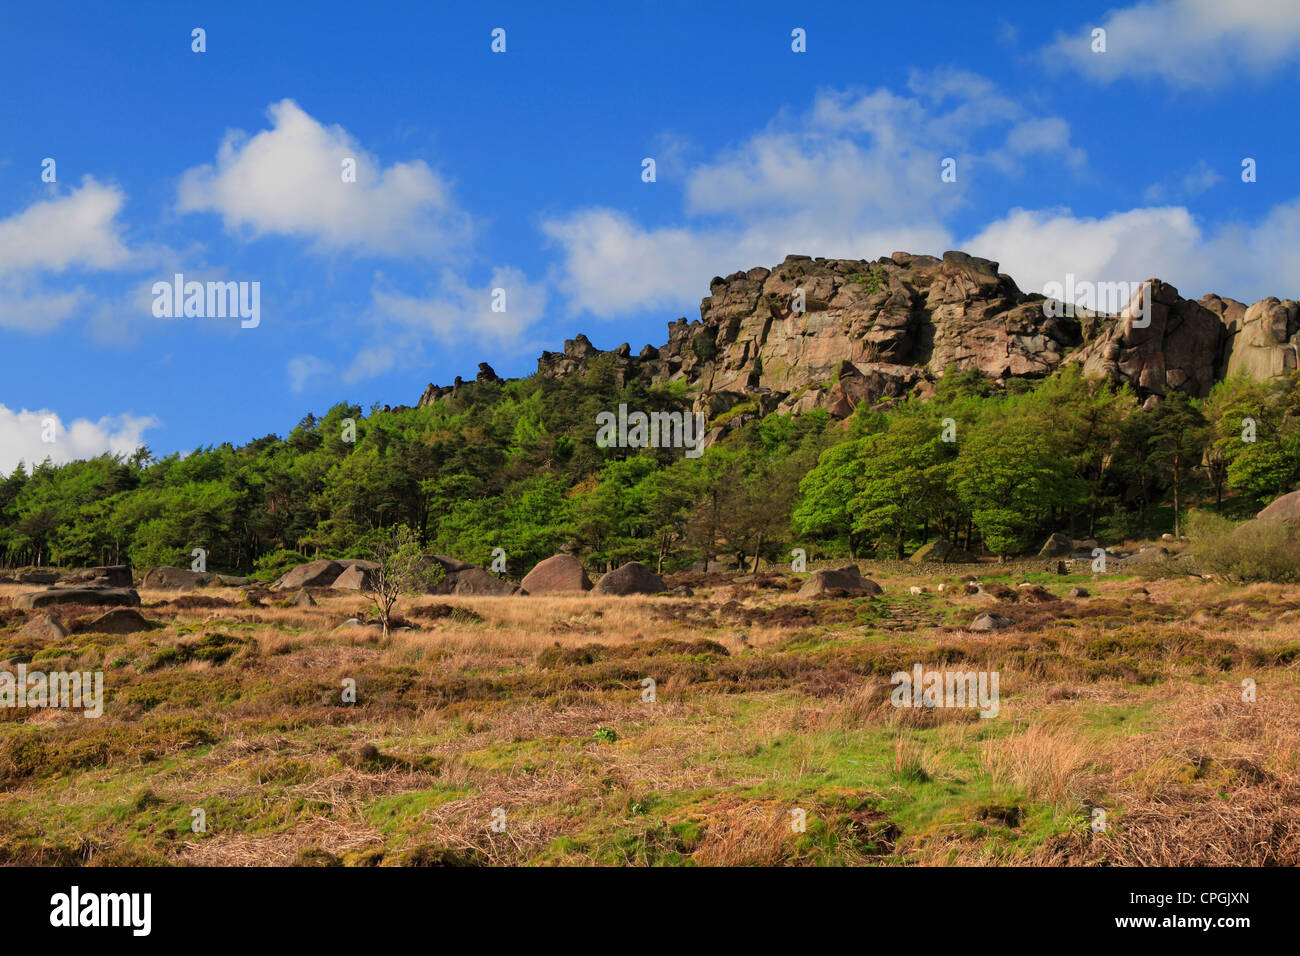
(109, 576)
(847, 578)
(987, 621)
(91, 597)
(38, 576)
(357, 576)
(1285, 508)
(302, 599)
(561, 572)
(233, 581)
(313, 574)
(941, 551)
(122, 620)
(177, 579)
(473, 580)
(631, 578)
(43, 627)
(1057, 546)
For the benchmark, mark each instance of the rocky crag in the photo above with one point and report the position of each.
(876, 331)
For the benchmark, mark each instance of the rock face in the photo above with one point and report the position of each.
(177, 579)
(875, 331)
(848, 578)
(111, 576)
(562, 572)
(631, 578)
(313, 574)
(91, 597)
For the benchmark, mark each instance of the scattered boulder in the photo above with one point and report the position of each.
(682, 591)
(450, 565)
(632, 578)
(1150, 554)
(313, 574)
(1056, 546)
(847, 578)
(109, 576)
(177, 579)
(476, 581)
(43, 627)
(987, 621)
(942, 551)
(358, 576)
(562, 572)
(91, 597)
(38, 576)
(1077, 593)
(122, 620)
(233, 581)
(302, 599)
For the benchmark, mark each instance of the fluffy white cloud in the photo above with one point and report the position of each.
(287, 180)
(22, 437)
(1187, 43)
(1246, 261)
(857, 173)
(74, 230)
(78, 228)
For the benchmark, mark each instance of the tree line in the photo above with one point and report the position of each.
(514, 465)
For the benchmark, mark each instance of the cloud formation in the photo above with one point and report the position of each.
(23, 433)
(1189, 44)
(289, 180)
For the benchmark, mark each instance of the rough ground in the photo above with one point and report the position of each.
(765, 704)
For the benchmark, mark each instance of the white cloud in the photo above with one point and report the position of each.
(75, 230)
(453, 312)
(1039, 246)
(1187, 43)
(288, 180)
(1245, 261)
(78, 228)
(22, 437)
(1188, 185)
(858, 173)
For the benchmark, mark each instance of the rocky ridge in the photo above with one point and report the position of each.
(877, 331)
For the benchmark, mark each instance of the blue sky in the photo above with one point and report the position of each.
(522, 171)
